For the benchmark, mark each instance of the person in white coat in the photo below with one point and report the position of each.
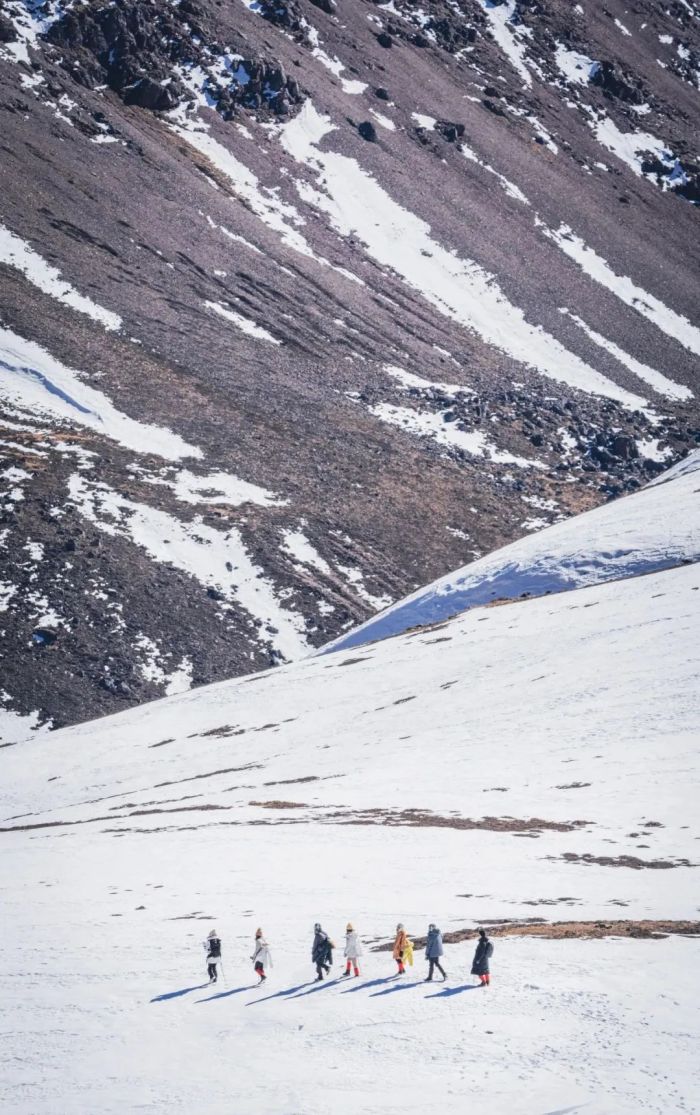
(261, 956)
(353, 950)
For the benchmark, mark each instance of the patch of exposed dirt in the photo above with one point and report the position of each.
(209, 774)
(624, 861)
(279, 804)
(567, 930)
(423, 818)
(293, 781)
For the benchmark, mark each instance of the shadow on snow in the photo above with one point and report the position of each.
(225, 994)
(369, 983)
(177, 994)
(320, 986)
(453, 991)
(279, 994)
(396, 987)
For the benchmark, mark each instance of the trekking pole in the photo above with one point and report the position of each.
(223, 974)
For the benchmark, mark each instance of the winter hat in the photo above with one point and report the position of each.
(399, 926)
(431, 926)
(212, 933)
(482, 932)
(317, 927)
(348, 927)
(258, 933)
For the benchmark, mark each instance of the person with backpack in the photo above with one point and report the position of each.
(213, 950)
(353, 950)
(261, 956)
(433, 952)
(480, 966)
(321, 951)
(402, 951)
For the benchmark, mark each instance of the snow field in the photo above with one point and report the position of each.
(595, 1026)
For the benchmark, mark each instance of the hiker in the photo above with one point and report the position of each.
(433, 952)
(213, 949)
(402, 951)
(321, 952)
(353, 950)
(480, 966)
(261, 956)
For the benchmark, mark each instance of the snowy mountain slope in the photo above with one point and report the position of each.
(656, 528)
(533, 760)
(279, 271)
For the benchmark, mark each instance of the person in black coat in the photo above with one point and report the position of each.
(213, 950)
(480, 966)
(321, 952)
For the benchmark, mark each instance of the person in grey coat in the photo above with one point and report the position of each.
(480, 966)
(433, 952)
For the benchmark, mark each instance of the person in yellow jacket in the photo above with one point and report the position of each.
(403, 949)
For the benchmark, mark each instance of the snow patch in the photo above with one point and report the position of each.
(301, 550)
(243, 323)
(650, 307)
(15, 252)
(509, 36)
(660, 383)
(34, 382)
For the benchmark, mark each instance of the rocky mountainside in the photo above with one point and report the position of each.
(304, 304)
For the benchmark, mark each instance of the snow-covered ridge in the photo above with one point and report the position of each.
(656, 528)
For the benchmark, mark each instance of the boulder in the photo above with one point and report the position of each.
(368, 131)
(615, 82)
(7, 30)
(147, 93)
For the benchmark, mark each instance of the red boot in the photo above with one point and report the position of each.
(357, 970)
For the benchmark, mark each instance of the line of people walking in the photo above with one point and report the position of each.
(322, 954)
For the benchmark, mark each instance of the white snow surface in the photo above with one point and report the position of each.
(15, 252)
(574, 66)
(437, 427)
(573, 708)
(34, 382)
(656, 528)
(242, 322)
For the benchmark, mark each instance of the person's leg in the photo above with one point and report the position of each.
(440, 969)
(347, 967)
(431, 967)
(319, 972)
(487, 978)
(211, 969)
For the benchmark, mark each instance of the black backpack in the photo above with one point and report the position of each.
(214, 947)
